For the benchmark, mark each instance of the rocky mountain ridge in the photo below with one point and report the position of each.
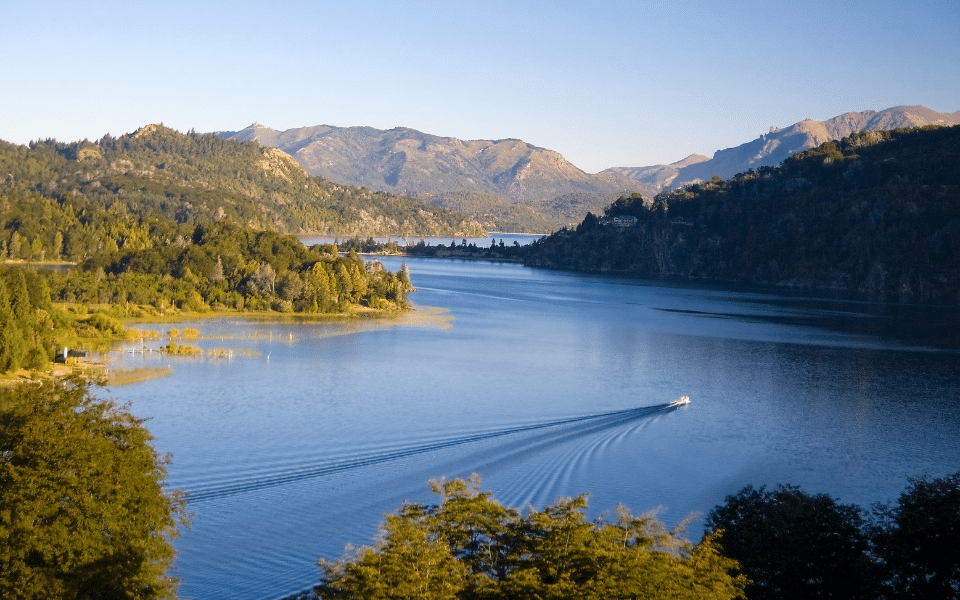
(512, 185)
(196, 178)
(444, 171)
(410, 162)
(774, 147)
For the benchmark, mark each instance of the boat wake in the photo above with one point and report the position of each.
(249, 484)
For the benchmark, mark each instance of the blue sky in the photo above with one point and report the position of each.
(604, 83)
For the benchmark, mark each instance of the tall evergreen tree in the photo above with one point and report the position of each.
(13, 346)
(20, 298)
(83, 514)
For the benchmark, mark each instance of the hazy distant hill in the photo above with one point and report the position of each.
(772, 148)
(450, 172)
(659, 176)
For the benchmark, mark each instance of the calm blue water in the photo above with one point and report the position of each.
(300, 443)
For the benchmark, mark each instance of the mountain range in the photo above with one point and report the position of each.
(503, 183)
(772, 148)
(510, 184)
(410, 162)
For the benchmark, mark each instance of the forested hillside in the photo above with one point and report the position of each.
(192, 179)
(160, 222)
(876, 213)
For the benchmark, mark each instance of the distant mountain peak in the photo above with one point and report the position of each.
(659, 176)
(503, 183)
(773, 147)
(406, 161)
(690, 160)
(534, 184)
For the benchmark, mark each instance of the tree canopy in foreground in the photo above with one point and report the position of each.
(469, 546)
(83, 512)
(792, 544)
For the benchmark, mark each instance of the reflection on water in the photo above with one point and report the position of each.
(547, 385)
(118, 377)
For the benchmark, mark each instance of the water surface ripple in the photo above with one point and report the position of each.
(308, 433)
(595, 422)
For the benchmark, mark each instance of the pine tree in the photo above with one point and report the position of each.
(15, 246)
(20, 298)
(344, 282)
(13, 346)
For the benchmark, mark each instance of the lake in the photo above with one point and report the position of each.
(547, 384)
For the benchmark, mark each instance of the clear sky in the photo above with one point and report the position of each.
(604, 83)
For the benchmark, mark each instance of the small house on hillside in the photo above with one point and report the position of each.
(69, 356)
(619, 221)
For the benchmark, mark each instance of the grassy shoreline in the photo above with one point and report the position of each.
(127, 316)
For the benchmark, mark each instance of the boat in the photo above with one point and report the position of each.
(683, 400)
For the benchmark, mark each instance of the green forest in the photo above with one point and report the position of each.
(221, 268)
(158, 222)
(83, 510)
(875, 214)
(82, 189)
(782, 544)
(29, 325)
(469, 546)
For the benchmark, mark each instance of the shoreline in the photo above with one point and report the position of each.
(91, 371)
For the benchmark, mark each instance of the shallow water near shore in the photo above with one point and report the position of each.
(546, 384)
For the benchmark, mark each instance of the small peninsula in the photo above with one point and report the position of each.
(159, 224)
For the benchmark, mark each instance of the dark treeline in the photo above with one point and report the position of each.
(760, 544)
(877, 213)
(794, 545)
(466, 250)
